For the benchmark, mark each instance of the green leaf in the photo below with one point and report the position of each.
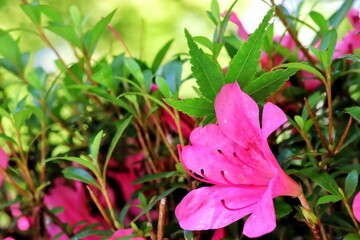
(204, 41)
(51, 13)
(21, 116)
(163, 86)
(328, 198)
(10, 50)
(327, 47)
(208, 74)
(351, 183)
(244, 65)
(121, 126)
(84, 162)
(354, 112)
(319, 20)
(81, 175)
(152, 177)
(171, 71)
(135, 70)
(32, 11)
(268, 83)
(340, 13)
(95, 146)
(195, 107)
(67, 33)
(7, 138)
(215, 10)
(303, 66)
(92, 36)
(160, 56)
(351, 236)
(299, 121)
(323, 179)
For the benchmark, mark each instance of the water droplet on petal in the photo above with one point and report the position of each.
(225, 121)
(253, 217)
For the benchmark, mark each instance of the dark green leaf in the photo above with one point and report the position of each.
(351, 183)
(208, 74)
(81, 175)
(268, 83)
(354, 112)
(160, 56)
(152, 177)
(195, 107)
(244, 65)
(323, 179)
(328, 198)
(351, 236)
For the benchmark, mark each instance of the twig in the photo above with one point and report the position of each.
(328, 94)
(161, 221)
(312, 115)
(343, 136)
(117, 35)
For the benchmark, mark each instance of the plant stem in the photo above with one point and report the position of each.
(342, 139)
(349, 210)
(161, 219)
(316, 124)
(293, 34)
(117, 35)
(328, 94)
(310, 217)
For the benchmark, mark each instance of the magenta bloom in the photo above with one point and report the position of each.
(356, 206)
(123, 234)
(235, 157)
(4, 160)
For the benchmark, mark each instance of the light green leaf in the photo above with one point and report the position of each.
(163, 86)
(208, 74)
(160, 56)
(152, 177)
(10, 51)
(84, 162)
(195, 107)
(135, 70)
(32, 11)
(328, 198)
(67, 33)
(244, 65)
(95, 146)
(268, 83)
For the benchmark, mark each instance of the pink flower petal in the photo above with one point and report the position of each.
(241, 30)
(272, 118)
(202, 209)
(238, 115)
(263, 219)
(356, 206)
(219, 234)
(354, 18)
(124, 233)
(224, 158)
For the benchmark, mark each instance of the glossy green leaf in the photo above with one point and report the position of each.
(245, 63)
(319, 20)
(302, 66)
(327, 47)
(340, 13)
(208, 74)
(194, 107)
(81, 175)
(160, 56)
(323, 179)
(268, 83)
(135, 70)
(171, 72)
(204, 41)
(354, 112)
(299, 121)
(351, 183)
(328, 199)
(215, 10)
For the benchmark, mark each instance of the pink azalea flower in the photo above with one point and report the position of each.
(124, 233)
(4, 160)
(219, 234)
(241, 30)
(235, 157)
(356, 206)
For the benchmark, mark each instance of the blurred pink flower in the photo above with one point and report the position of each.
(23, 222)
(75, 204)
(121, 233)
(234, 155)
(4, 160)
(356, 206)
(241, 30)
(351, 41)
(219, 234)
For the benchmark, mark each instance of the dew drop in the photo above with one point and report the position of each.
(253, 217)
(225, 121)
